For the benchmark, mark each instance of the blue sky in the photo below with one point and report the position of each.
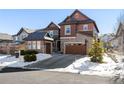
(12, 20)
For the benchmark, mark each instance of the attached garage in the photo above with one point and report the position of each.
(79, 49)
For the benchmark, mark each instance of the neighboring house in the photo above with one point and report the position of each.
(120, 39)
(107, 40)
(114, 43)
(18, 39)
(77, 32)
(23, 33)
(39, 41)
(6, 45)
(54, 32)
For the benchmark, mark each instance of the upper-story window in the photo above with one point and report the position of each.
(67, 30)
(51, 33)
(85, 27)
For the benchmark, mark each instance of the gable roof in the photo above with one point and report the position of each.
(26, 30)
(83, 19)
(52, 26)
(72, 19)
(38, 35)
(121, 26)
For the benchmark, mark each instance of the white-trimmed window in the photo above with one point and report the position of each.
(85, 27)
(67, 30)
(38, 45)
(51, 33)
(33, 44)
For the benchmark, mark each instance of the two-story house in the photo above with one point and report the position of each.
(23, 33)
(77, 32)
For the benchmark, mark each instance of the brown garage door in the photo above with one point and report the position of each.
(48, 48)
(75, 49)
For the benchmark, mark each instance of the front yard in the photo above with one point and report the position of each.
(11, 61)
(85, 67)
(80, 66)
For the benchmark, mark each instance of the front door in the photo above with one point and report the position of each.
(48, 48)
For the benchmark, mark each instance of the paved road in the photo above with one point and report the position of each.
(57, 61)
(46, 77)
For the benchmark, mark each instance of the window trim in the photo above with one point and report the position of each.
(67, 26)
(85, 26)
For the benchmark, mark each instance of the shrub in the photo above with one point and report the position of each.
(33, 57)
(96, 52)
(27, 57)
(30, 57)
(24, 52)
(31, 52)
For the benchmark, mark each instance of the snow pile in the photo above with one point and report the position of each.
(120, 58)
(85, 66)
(19, 62)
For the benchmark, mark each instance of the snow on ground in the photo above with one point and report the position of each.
(84, 66)
(11, 61)
(3, 56)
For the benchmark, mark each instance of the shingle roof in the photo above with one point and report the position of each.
(38, 35)
(27, 30)
(4, 36)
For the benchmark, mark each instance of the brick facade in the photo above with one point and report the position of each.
(76, 21)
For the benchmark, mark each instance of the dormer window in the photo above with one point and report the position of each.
(85, 27)
(67, 30)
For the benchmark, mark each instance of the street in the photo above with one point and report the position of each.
(47, 77)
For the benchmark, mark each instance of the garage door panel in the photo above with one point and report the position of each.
(75, 49)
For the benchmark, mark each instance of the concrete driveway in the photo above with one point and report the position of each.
(57, 61)
(46, 77)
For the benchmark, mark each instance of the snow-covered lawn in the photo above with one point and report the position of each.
(3, 56)
(11, 61)
(84, 66)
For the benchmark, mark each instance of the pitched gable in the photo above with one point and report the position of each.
(76, 17)
(120, 29)
(28, 31)
(52, 26)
